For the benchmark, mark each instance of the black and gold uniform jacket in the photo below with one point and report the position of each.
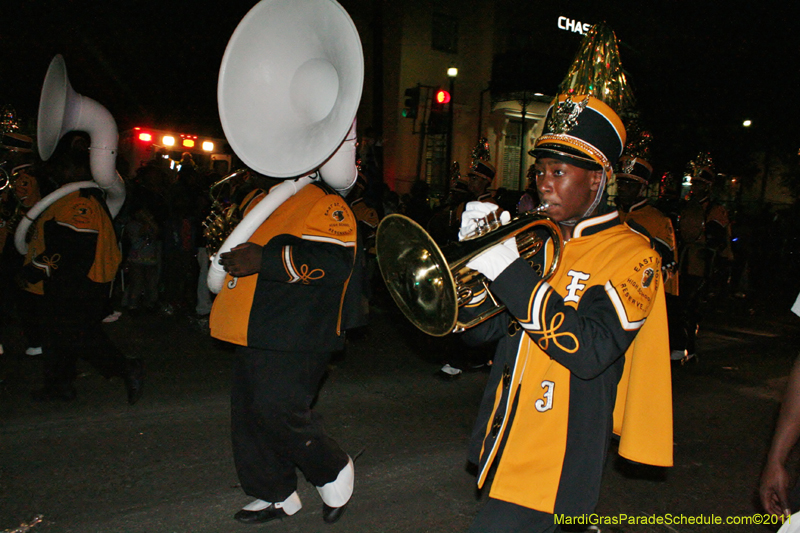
(566, 362)
(295, 301)
(659, 227)
(73, 244)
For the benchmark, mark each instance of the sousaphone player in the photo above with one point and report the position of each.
(284, 296)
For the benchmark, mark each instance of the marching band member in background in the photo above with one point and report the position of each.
(16, 155)
(633, 177)
(705, 253)
(72, 259)
(28, 190)
(480, 176)
(529, 199)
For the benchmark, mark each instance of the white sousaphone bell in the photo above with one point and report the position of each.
(62, 110)
(289, 89)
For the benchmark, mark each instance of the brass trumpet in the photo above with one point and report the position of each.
(429, 284)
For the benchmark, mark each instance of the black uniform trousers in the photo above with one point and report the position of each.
(72, 329)
(273, 427)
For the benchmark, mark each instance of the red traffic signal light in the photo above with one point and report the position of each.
(442, 97)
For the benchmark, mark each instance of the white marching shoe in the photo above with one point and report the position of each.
(336, 494)
(259, 511)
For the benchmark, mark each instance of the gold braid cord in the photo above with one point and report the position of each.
(577, 143)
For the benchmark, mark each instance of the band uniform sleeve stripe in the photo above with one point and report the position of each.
(75, 228)
(665, 243)
(289, 265)
(477, 298)
(627, 325)
(534, 323)
(41, 266)
(331, 240)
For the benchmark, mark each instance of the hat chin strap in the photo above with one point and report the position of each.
(597, 197)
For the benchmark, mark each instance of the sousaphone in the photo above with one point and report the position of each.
(62, 110)
(289, 89)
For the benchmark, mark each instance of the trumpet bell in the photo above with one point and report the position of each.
(429, 284)
(417, 275)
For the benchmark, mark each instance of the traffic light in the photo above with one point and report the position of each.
(437, 122)
(442, 97)
(411, 104)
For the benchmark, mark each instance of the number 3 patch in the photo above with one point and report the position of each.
(546, 403)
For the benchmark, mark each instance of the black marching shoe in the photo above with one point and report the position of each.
(259, 517)
(134, 379)
(332, 514)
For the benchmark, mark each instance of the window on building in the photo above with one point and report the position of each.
(436, 162)
(516, 160)
(511, 155)
(444, 33)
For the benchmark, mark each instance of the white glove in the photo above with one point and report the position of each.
(474, 215)
(493, 261)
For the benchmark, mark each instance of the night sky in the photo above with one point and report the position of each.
(697, 71)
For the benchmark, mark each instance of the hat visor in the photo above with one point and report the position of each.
(478, 175)
(632, 177)
(566, 154)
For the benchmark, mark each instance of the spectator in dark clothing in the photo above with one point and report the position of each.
(416, 205)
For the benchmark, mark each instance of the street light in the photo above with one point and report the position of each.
(747, 123)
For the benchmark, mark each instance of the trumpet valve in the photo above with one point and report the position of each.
(484, 225)
(529, 244)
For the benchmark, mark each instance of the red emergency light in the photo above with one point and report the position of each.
(188, 143)
(146, 137)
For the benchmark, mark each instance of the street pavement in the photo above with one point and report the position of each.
(164, 465)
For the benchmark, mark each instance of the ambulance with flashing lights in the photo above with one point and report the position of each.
(140, 145)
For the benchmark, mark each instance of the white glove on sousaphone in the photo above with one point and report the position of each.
(289, 89)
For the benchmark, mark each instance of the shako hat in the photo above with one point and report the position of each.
(583, 129)
(634, 163)
(635, 168)
(482, 169)
(702, 168)
(583, 123)
(481, 161)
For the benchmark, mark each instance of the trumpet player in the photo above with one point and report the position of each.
(580, 355)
